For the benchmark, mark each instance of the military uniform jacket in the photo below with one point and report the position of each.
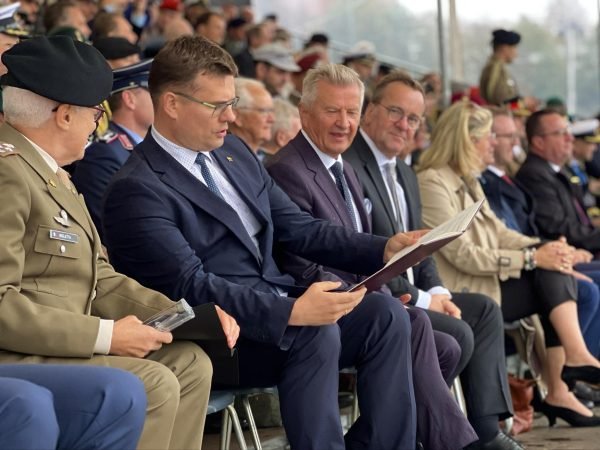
(496, 84)
(54, 282)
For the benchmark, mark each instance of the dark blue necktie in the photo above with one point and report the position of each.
(342, 185)
(208, 178)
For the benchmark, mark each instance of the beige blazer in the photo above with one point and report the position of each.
(487, 252)
(54, 283)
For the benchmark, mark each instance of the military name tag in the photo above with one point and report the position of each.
(64, 236)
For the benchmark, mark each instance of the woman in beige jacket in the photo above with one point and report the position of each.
(494, 260)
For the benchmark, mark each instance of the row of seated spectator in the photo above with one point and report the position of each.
(162, 249)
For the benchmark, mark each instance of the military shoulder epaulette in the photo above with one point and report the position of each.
(108, 137)
(7, 149)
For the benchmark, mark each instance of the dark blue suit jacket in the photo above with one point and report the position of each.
(301, 174)
(101, 161)
(167, 230)
(361, 158)
(515, 196)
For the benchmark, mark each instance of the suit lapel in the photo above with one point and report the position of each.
(237, 177)
(180, 180)
(71, 202)
(323, 179)
(372, 169)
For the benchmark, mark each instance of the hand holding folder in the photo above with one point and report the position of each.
(425, 246)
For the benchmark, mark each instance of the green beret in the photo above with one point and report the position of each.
(60, 69)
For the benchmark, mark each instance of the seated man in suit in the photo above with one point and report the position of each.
(193, 213)
(512, 203)
(132, 115)
(60, 301)
(390, 186)
(314, 177)
(559, 210)
(46, 407)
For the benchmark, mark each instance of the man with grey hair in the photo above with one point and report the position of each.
(310, 169)
(254, 113)
(195, 214)
(285, 127)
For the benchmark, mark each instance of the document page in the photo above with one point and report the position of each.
(425, 246)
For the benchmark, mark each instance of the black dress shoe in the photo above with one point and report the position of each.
(500, 442)
(572, 374)
(573, 418)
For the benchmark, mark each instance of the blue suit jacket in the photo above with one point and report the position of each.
(101, 161)
(515, 196)
(167, 230)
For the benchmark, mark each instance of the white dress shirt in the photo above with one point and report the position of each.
(424, 299)
(187, 158)
(328, 161)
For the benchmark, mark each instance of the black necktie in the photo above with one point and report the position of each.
(342, 185)
(208, 178)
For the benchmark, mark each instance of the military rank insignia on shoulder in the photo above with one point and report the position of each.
(7, 149)
(107, 137)
(125, 142)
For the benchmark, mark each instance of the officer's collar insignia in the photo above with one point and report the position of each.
(7, 149)
(63, 218)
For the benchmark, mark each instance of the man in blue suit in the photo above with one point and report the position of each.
(132, 115)
(194, 214)
(45, 406)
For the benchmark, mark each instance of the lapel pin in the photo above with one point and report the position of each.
(63, 218)
(52, 183)
(230, 159)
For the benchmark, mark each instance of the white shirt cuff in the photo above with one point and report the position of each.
(424, 300)
(439, 290)
(104, 339)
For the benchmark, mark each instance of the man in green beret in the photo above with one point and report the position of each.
(60, 301)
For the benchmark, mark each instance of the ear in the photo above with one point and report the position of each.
(261, 70)
(279, 138)
(128, 99)
(170, 105)
(536, 142)
(64, 116)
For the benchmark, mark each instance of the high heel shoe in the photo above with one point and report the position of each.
(571, 374)
(573, 418)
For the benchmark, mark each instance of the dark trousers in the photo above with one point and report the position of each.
(481, 336)
(69, 407)
(441, 425)
(375, 338)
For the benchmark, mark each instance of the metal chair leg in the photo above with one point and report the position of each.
(458, 395)
(355, 410)
(225, 430)
(237, 428)
(251, 422)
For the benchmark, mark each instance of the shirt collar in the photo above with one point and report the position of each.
(498, 172)
(555, 167)
(327, 160)
(381, 159)
(46, 157)
(184, 156)
(133, 135)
